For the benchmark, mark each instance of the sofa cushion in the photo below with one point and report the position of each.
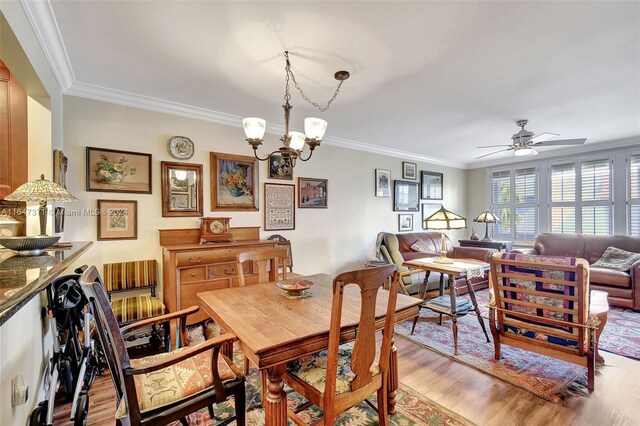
(595, 245)
(609, 277)
(421, 247)
(617, 259)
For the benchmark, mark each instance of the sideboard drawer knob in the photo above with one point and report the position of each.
(198, 260)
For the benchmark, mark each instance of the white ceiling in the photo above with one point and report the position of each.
(434, 79)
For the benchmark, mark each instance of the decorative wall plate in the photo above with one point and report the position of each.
(181, 147)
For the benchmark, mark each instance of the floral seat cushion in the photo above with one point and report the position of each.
(137, 308)
(541, 336)
(176, 382)
(313, 369)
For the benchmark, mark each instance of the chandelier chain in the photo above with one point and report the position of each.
(305, 97)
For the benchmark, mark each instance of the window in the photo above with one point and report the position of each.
(563, 197)
(634, 195)
(514, 199)
(596, 197)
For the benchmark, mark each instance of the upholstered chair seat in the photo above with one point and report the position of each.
(137, 308)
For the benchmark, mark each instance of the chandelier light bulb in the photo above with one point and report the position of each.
(254, 127)
(314, 128)
(297, 140)
(522, 152)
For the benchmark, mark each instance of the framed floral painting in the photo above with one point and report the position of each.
(117, 220)
(234, 182)
(280, 167)
(110, 170)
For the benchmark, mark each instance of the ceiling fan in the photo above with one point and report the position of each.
(524, 141)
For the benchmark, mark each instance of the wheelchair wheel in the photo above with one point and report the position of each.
(39, 415)
(66, 377)
(82, 410)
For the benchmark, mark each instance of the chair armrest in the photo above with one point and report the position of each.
(167, 361)
(402, 274)
(478, 253)
(160, 318)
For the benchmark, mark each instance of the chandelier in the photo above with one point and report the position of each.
(292, 142)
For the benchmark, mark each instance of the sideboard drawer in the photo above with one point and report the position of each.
(195, 258)
(222, 270)
(189, 275)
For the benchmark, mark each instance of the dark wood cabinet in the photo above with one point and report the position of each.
(13, 133)
(497, 245)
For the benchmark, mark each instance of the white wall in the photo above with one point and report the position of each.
(325, 240)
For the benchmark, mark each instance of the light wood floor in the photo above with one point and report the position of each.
(477, 396)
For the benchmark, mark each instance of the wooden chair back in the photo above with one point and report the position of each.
(541, 300)
(369, 281)
(267, 262)
(282, 242)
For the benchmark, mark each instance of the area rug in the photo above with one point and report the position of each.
(621, 334)
(545, 377)
(411, 409)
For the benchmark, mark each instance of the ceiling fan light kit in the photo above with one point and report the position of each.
(292, 142)
(523, 142)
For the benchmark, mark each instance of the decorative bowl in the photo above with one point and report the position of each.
(295, 286)
(29, 246)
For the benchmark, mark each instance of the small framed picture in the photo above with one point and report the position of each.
(409, 170)
(405, 222)
(383, 183)
(280, 167)
(431, 186)
(429, 209)
(406, 196)
(117, 220)
(109, 170)
(312, 193)
(279, 206)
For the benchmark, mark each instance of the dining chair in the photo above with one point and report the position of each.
(342, 376)
(162, 388)
(269, 264)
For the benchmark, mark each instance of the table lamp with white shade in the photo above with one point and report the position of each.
(444, 220)
(486, 217)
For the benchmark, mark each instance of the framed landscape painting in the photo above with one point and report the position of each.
(110, 170)
(117, 220)
(312, 193)
(234, 182)
(405, 196)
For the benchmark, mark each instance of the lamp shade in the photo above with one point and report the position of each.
(523, 152)
(314, 128)
(486, 217)
(297, 140)
(443, 219)
(254, 127)
(40, 190)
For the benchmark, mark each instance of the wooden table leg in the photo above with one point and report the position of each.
(603, 320)
(454, 316)
(275, 410)
(472, 294)
(425, 283)
(392, 384)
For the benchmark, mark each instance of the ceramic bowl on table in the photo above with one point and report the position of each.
(29, 246)
(295, 287)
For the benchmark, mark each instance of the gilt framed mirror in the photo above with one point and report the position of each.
(181, 189)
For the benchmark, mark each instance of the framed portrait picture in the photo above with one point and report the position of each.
(405, 196)
(109, 170)
(60, 164)
(409, 170)
(429, 209)
(405, 222)
(431, 186)
(234, 182)
(279, 206)
(280, 167)
(117, 220)
(312, 193)
(383, 183)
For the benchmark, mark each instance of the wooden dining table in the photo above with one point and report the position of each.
(273, 329)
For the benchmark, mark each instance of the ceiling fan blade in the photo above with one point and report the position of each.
(495, 152)
(562, 142)
(543, 137)
(493, 146)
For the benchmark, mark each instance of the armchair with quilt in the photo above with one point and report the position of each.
(542, 304)
(160, 389)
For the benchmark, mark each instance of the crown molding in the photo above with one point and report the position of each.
(44, 24)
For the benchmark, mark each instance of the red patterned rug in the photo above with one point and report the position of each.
(621, 334)
(545, 377)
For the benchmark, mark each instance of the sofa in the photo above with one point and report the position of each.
(623, 287)
(396, 248)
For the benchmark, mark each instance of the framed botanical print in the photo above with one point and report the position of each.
(405, 196)
(431, 186)
(234, 182)
(279, 206)
(409, 170)
(110, 170)
(117, 220)
(383, 183)
(312, 193)
(405, 222)
(280, 167)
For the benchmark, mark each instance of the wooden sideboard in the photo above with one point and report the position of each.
(189, 267)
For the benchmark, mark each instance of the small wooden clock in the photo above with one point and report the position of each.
(215, 229)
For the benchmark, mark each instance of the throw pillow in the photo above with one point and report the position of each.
(617, 259)
(421, 247)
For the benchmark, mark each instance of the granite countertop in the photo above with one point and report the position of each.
(22, 277)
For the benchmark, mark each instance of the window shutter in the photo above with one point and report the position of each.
(563, 220)
(501, 187)
(563, 183)
(634, 195)
(525, 186)
(596, 220)
(596, 180)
